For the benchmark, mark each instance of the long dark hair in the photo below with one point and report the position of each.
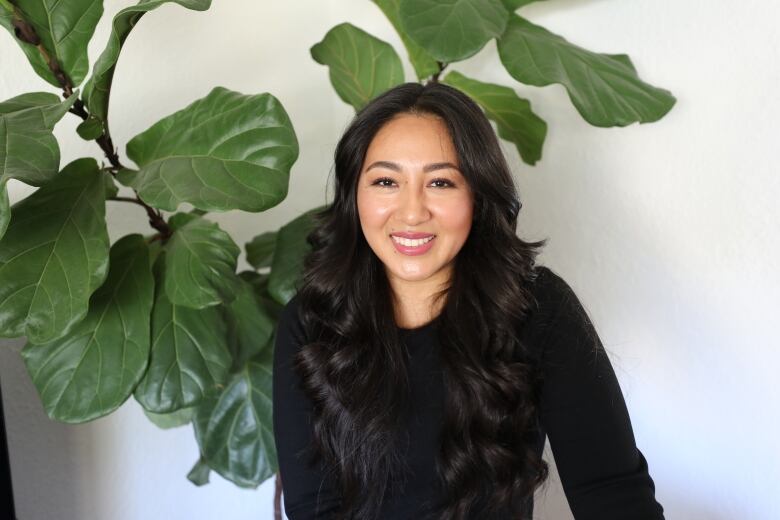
(354, 369)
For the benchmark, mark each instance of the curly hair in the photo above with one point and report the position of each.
(353, 367)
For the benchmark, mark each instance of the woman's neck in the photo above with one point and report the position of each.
(414, 301)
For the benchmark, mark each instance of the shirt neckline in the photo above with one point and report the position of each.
(422, 328)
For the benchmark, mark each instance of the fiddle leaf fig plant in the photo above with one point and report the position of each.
(604, 88)
(31, 153)
(165, 317)
(361, 66)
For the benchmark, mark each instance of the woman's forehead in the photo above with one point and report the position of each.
(413, 139)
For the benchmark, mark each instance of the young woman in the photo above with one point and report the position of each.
(425, 357)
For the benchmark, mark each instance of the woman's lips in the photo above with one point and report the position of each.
(413, 250)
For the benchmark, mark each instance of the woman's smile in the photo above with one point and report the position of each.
(411, 247)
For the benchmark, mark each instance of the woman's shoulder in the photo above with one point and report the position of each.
(548, 289)
(554, 303)
(289, 324)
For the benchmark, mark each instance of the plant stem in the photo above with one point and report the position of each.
(156, 220)
(435, 77)
(25, 32)
(278, 497)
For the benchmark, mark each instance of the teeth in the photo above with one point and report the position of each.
(412, 243)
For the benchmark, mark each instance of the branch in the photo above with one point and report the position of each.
(26, 32)
(156, 219)
(435, 77)
(278, 497)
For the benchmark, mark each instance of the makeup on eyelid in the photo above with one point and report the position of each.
(377, 182)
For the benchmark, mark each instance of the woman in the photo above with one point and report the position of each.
(425, 356)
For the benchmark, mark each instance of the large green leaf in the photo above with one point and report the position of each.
(54, 254)
(98, 88)
(452, 30)
(64, 29)
(361, 65)
(291, 248)
(260, 250)
(92, 370)
(189, 357)
(224, 151)
(235, 428)
(423, 63)
(513, 115)
(28, 150)
(250, 326)
(604, 88)
(200, 270)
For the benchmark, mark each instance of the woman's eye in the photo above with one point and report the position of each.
(380, 182)
(447, 184)
(438, 183)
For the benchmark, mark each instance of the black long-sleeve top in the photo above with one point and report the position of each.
(582, 411)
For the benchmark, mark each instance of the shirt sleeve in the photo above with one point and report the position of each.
(309, 494)
(603, 473)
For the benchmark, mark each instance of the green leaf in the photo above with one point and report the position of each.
(259, 283)
(291, 248)
(514, 118)
(28, 150)
(54, 255)
(604, 88)
(199, 474)
(200, 270)
(90, 129)
(64, 29)
(189, 357)
(235, 428)
(93, 369)
(452, 30)
(361, 65)
(260, 250)
(224, 151)
(166, 421)
(424, 65)
(111, 188)
(98, 88)
(250, 326)
(514, 5)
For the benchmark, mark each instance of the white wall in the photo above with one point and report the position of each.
(666, 231)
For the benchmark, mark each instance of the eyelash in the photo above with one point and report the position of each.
(382, 179)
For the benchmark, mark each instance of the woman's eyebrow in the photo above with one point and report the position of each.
(427, 168)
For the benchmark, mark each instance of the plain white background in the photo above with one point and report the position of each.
(668, 232)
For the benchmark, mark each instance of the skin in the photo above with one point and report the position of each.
(423, 191)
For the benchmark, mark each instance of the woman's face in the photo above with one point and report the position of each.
(410, 185)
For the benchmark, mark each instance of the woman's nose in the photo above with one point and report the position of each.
(413, 205)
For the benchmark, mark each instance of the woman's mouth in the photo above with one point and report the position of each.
(412, 247)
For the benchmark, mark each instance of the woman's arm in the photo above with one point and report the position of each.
(603, 473)
(308, 494)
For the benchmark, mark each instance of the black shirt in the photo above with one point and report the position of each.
(582, 411)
